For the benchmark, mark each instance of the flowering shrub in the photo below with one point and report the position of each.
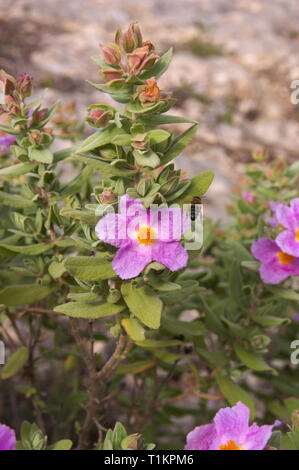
(118, 321)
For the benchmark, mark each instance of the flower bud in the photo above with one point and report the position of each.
(132, 38)
(35, 137)
(140, 141)
(107, 196)
(132, 442)
(109, 74)
(8, 83)
(149, 93)
(24, 85)
(111, 53)
(99, 115)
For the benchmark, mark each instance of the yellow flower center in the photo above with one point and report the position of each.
(230, 445)
(284, 258)
(146, 235)
(297, 235)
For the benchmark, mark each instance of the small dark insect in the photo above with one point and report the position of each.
(196, 201)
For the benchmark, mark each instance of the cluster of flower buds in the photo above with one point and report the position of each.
(107, 196)
(139, 56)
(14, 92)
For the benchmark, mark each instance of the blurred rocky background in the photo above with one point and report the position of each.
(232, 70)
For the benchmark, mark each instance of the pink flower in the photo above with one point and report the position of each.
(276, 264)
(144, 235)
(230, 431)
(7, 438)
(249, 198)
(288, 217)
(273, 221)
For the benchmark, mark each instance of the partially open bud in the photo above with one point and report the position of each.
(107, 196)
(140, 141)
(38, 115)
(141, 58)
(99, 115)
(24, 85)
(149, 93)
(132, 442)
(111, 53)
(132, 38)
(7, 82)
(109, 74)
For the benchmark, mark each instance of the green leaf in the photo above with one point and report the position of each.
(33, 250)
(42, 155)
(143, 303)
(288, 294)
(133, 329)
(158, 343)
(73, 187)
(17, 170)
(148, 158)
(64, 444)
(88, 268)
(56, 269)
(9, 130)
(251, 265)
(270, 320)
(106, 168)
(160, 66)
(21, 294)
(252, 360)
(84, 216)
(89, 310)
(177, 327)
(160, 119)
(187, 288)
(156, 136)
(15, 363)
(179, 144)
(199, 186)
(234, 393)
(98, 139)
(14, 200)
(135, 367)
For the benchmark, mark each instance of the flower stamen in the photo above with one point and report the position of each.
(146, 235)
(230, 445)
(284, 258)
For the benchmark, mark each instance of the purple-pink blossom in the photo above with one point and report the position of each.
(143, 235)
(7, 438)
(230, 431)
(276, 264)
(288, 217)
(249, 198)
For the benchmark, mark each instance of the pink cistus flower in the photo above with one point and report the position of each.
(288, 217)
(143, 235)
(276, 264)
(7, 438)
(230, 431)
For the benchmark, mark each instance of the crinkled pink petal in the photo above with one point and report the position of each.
(258, 436)
(203, 438)
(7, 438)
(265, 250)
(295, 208)
(287, 242)
(111, 229)
(173, 255)
(131, 259)
(286, 217)
(274, 273)
(169, 223)
(232, 423)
